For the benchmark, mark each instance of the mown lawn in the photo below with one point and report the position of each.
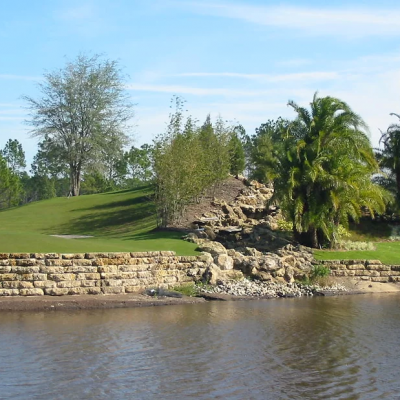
(119, 221)
(387, 252)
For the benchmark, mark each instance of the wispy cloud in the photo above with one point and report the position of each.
(343, 21)
(300, 76)
(198, 91)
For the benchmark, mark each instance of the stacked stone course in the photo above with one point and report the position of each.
(38, 274)
(366, 270)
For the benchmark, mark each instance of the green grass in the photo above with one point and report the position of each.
(387, 252)
(119, 221)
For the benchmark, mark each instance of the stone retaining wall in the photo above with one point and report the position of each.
(367, 270)
(37, 274)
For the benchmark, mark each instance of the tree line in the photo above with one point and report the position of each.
(321, 163)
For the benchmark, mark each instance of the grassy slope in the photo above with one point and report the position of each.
(120, 221)
(387, 252)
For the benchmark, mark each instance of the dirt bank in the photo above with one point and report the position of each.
(89, 302)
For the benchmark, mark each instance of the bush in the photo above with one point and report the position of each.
(319, 271)
(349, 245)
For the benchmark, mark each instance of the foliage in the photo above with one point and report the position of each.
(139, 162)
(319, 271)
(284, 225)
(82, 115)
(188, 159)
(349, 245)
(389, 158)
(264, 150)
(14, 155)
(10, 186)
(236, 152)
(323, 168)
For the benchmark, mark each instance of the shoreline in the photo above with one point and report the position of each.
(98, 302)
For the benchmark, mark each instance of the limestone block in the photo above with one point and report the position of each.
(89, 283)
(52, 255)
(133, 289)
(8, 277)
(19, 256)
(142, 274)
(392, 267)
(380, 279)
(351, 262)
(390, 273)
(113, 290)
(88, 277)
(350, 272)
(56, 291)
(52, 270)
(38, 256)
(44, 284)
(73, 256)
(119, 255)
(130, 282)
(108, 269)
(97, 262)
(5, 270)
(394, 279)
(82, 262)
(78, 269)
(94, 290)
(378, 267)
(25, 270)
(112, 282)
(4, 256)
(170, 280)
(374, 273)
(373, 262)
(68, 284)
(361, 272)
(126, 268)
(92, 256)
(17, 285)
(224, 261)
(61, 277)
(40, 277)
(356, 266)
(57, 262)
(4, 263)
(9, 292)
(31, 292)
(29, 262)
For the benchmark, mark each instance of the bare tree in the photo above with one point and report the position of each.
(82, 109)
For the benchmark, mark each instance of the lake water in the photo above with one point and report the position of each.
(318, 348)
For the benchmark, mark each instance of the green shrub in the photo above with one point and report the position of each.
(319, 271)
(284, 225)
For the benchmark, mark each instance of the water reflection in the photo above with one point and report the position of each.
(277, 349)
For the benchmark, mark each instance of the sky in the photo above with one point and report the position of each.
(241, 59)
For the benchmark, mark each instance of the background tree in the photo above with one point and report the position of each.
(324, 170)
(14, 155)
(82, 109)
(389, 158)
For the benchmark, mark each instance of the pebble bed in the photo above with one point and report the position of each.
(256, 288)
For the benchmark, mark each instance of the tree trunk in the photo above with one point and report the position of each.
(75, 181)
(309, 238)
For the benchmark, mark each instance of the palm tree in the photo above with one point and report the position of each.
(389, 157)
(325, 165)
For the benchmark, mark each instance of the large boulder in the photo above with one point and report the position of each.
(223, 261)
(214, 248)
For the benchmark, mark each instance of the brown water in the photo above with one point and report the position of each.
(318, 348)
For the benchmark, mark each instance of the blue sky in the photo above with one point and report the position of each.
(241, 59)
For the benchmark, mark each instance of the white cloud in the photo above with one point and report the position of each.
(198, 91)
(344, 21)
